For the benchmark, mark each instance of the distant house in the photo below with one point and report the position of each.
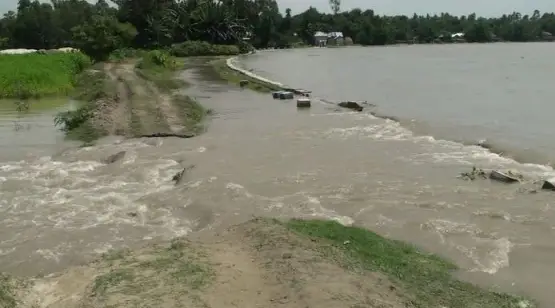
(547, 36)
(336, 38)
(458, 37)
(320, 39)
(332, 38)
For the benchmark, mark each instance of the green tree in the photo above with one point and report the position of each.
(102, 35)
(335, 6)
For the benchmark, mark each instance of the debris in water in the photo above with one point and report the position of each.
(352, 105)
(178, 177)
(476, 173)
(505, 177)
(549, 184)
(114, 158)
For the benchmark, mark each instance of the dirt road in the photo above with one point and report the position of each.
(256, 264)
(139, 108)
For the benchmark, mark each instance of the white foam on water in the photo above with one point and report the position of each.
(57, 197)
(496, 250)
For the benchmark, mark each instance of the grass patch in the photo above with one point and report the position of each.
(425, 276)
(160, 68)
(192, 112)
(149, 276)
(224, 72)
(38, 75)
(91, 88)
(7, 293)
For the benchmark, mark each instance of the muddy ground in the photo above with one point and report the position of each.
(256, 264)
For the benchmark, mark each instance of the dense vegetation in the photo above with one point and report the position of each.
(100, 28)
(35, 75)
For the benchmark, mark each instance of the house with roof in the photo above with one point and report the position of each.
(322, 39)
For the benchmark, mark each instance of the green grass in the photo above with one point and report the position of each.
(7, 293)
(224, 72)
(90, 86)
(425, 276)
(143, 279)
(192, 112)
(160, 68)
(38, 75)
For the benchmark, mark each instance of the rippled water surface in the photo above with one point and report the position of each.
(464, 92)
(261, 156)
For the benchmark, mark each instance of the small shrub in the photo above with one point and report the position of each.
(199, 48)
(158, 58)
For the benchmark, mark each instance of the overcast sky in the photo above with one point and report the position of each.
(458, 7)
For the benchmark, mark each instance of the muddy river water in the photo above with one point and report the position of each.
(263, 157)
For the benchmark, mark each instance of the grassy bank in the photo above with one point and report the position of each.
(233, 77)
(94, 89)
(38, 75)
(426, 278)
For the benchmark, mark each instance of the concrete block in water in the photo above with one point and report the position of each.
(303, 103)
(285, 95)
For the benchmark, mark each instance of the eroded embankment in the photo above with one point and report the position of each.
(132, 106)
(261, 263)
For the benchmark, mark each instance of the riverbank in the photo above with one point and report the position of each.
(270, 263)
(224, 68)
(133, 98)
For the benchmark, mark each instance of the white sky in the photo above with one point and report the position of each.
(457, 7)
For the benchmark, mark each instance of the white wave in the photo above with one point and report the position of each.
(497, 249)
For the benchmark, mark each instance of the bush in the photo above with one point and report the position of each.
(199, 48)
(157, 58)
(36, 75)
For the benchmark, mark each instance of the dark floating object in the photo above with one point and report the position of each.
(507, 177)
(549, 184)
(114, 158)
(164, 135)
(243, 83)
(474, 174)
(352, 105)
(303, 103)
(178, 177)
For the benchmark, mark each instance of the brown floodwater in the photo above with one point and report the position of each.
(264, 157)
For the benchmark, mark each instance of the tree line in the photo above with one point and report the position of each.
(99, 28)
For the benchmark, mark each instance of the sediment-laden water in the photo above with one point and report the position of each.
(261, 156)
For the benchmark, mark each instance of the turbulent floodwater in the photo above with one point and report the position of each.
(261, 156)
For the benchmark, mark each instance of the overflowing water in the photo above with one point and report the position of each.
(264, 157)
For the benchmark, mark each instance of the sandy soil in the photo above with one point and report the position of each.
(256, 264)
